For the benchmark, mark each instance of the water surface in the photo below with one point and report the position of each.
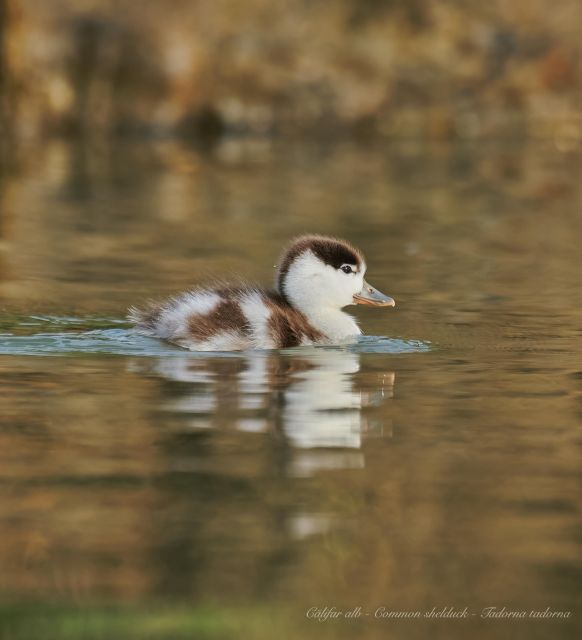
(151, 492)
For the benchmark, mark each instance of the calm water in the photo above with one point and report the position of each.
(147, 492)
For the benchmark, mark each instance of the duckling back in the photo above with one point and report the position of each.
(226, 319)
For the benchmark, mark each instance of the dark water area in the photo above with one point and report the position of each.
(149, 492)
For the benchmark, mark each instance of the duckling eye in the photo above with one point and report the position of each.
(347, 269)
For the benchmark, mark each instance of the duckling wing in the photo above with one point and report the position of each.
(275, 324)
(226, 319)
(200, 320)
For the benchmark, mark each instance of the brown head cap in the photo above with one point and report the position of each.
(332, 251)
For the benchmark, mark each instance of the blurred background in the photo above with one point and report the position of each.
(149, 146)
(393, 68)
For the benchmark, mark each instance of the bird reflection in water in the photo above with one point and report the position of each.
(318, 400)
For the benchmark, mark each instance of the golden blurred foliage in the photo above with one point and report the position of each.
(396, 68)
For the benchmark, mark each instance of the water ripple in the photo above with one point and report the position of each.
(124, 341)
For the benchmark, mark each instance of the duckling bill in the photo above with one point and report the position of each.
(317, 277)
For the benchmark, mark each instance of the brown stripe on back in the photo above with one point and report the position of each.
(226, 316)
(331, 251)
(288, 326)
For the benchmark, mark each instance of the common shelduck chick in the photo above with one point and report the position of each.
(317, 276)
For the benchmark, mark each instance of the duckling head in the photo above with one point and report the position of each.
(322, 273)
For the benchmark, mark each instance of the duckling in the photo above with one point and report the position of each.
(317, 276)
